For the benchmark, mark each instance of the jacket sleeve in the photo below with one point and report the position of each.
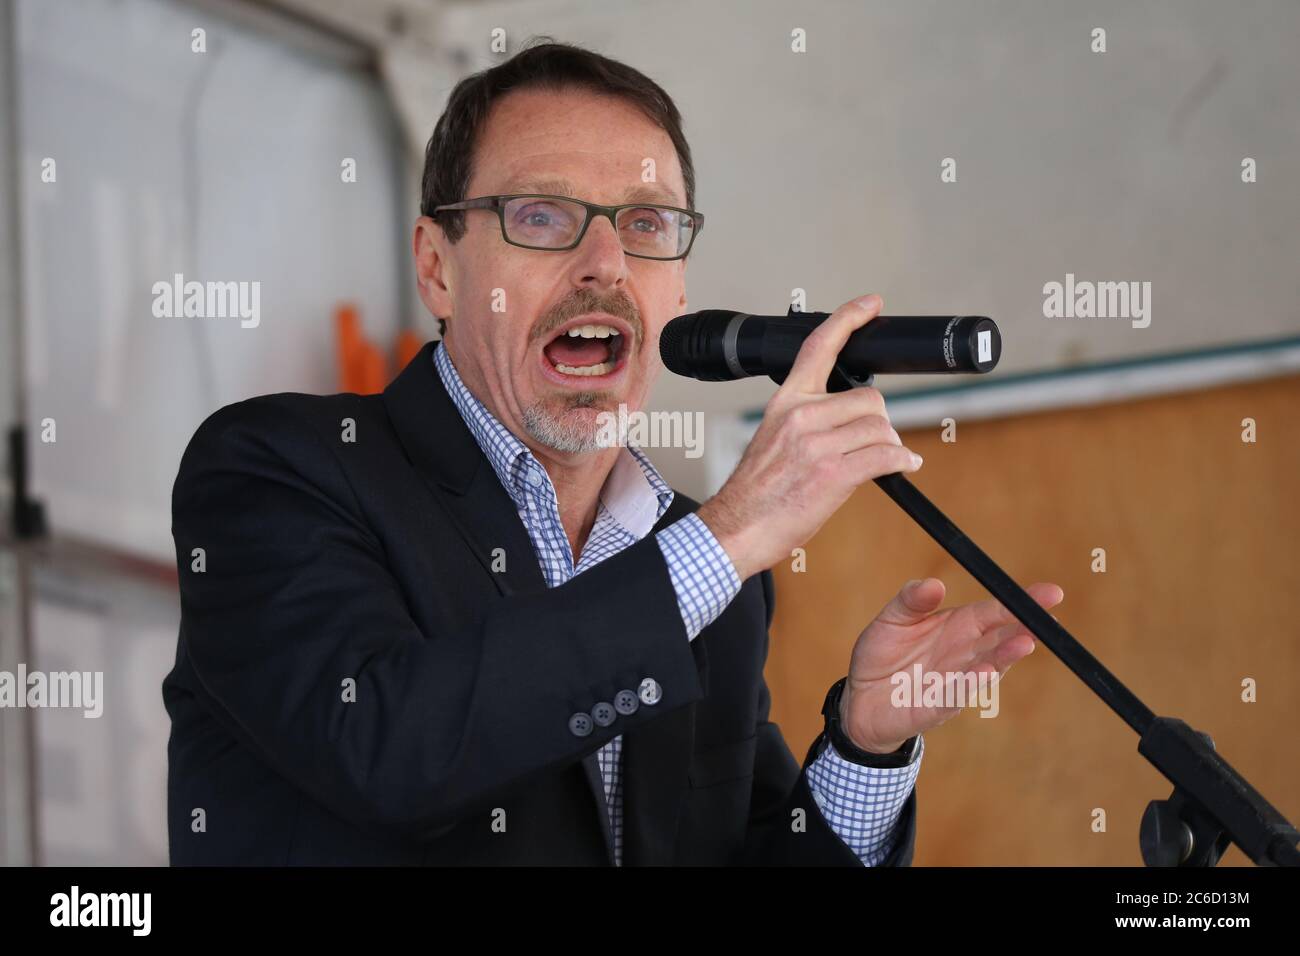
(786, 827)
(291, 595)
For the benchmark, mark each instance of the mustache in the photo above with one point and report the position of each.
(584, 302)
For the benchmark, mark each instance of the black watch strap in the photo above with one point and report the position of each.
(837, 738)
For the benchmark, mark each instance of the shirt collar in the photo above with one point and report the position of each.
(634, 494)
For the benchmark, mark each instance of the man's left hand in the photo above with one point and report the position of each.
(983, 637)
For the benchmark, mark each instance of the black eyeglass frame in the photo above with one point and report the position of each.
(497, 204)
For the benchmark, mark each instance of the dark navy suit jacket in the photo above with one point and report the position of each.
(355, 683)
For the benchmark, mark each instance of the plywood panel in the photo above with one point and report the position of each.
(1202, 589)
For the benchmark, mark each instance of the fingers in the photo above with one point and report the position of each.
(1011, 650)
(827, 411)
(847, 434)
(839, 425)
(1004, 645)
(994, 652)
(914, 601)
(1004, 639)
(992, 613)
(862, 433)
(869, 463)
(1008, 643)
(816, 358)
(801, 415)
(851, 453)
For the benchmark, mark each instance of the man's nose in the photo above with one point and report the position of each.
(601, 260)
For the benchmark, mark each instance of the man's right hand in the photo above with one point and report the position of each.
(809, 453)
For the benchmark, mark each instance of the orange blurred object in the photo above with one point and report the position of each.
(361, 364)
(362, 368)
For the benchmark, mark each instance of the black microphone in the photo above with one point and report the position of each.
(718, 345)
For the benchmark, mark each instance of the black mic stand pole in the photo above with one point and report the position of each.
(1212, 803)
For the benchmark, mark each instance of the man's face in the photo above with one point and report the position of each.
(510, 309)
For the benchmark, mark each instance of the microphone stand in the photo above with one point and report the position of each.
(1211, 805)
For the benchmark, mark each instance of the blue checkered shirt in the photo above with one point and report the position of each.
(861, 804)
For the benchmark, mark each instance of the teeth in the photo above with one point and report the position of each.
(604, 368)
(591, 332)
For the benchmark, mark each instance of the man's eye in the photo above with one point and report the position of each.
(540, 214)
(645, 220)
(536, 217)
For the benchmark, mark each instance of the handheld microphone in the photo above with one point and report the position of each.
(718, 345)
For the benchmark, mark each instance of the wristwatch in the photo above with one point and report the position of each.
(847, 749)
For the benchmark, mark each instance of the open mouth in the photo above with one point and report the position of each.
(587, 350)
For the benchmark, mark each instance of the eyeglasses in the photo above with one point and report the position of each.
(556, 223)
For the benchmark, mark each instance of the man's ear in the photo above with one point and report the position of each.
(428, 244)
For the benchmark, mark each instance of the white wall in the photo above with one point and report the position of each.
(220, 166)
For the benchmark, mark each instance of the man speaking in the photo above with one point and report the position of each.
(444, 625)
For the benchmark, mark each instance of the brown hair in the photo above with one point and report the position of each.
(540, 64)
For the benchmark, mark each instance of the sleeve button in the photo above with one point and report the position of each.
(580, 725)
(603, 714)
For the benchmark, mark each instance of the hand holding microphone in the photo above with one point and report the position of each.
(812, 449)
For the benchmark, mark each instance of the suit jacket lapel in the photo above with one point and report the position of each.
(445, 454)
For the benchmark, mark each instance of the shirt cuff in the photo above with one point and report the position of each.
(701, 571)
(863, 804)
